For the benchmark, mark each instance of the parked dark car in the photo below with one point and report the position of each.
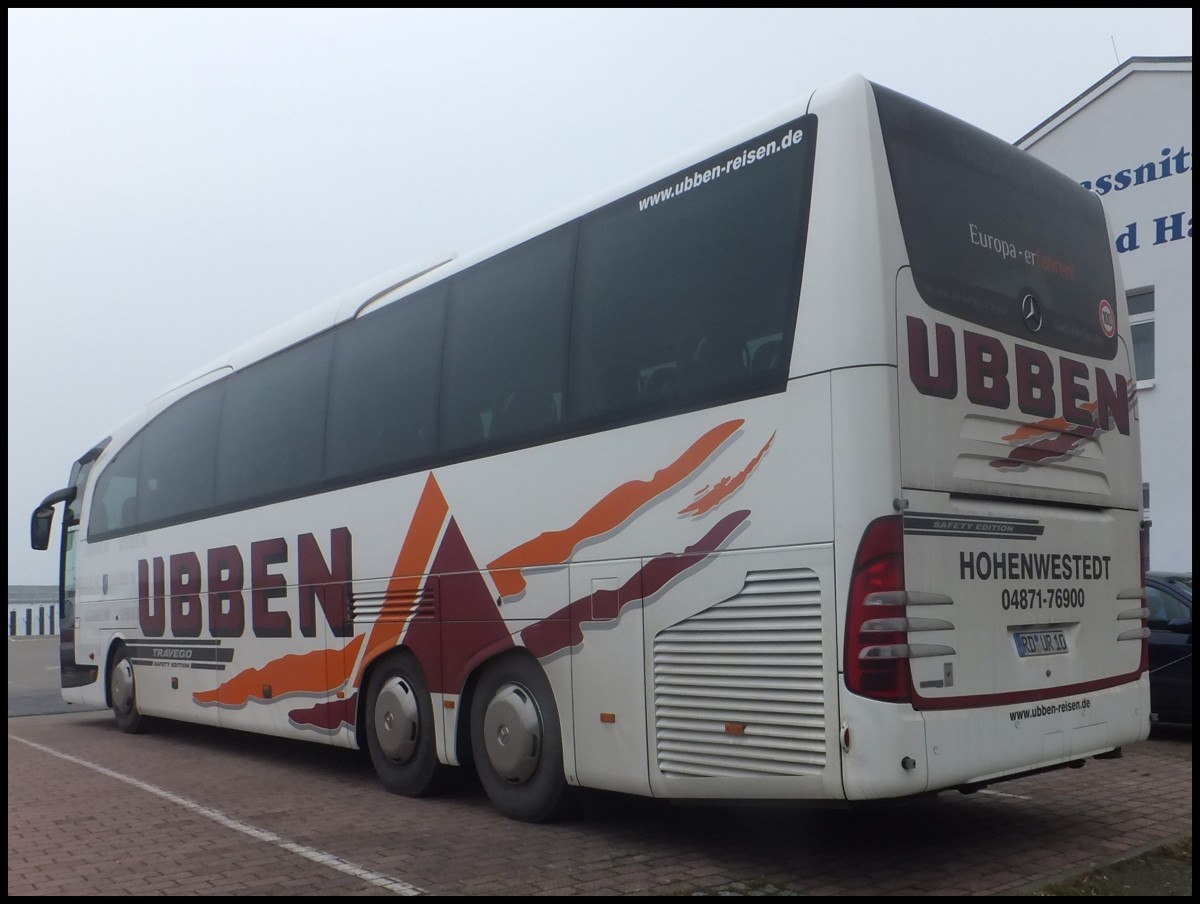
(1169, 598)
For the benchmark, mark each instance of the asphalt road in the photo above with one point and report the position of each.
(193, 810)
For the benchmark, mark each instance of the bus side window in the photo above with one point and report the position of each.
(662, 382)
(114, 501)
(383, 387)
(719, 358)
(506, 343)
(765, 356)
(527, 409)
(605, 390)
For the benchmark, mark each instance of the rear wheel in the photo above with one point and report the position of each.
(517, 742)
(122, 694)
(400, 728)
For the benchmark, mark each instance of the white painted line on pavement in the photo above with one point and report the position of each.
(1004, 794)
(332, 861)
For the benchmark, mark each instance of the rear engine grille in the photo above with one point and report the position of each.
(738, 687)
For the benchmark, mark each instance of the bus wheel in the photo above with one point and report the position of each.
(400, 728)
(516, 741)
(123, 694)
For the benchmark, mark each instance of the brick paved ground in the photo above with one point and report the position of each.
(190, 810)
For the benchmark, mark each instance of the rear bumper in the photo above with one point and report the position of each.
(983, 745)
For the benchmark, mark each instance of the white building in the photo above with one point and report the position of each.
(32, 610)
(1129, 139)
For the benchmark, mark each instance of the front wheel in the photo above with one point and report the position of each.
(517, 742)
(400, 728)
(122, 694)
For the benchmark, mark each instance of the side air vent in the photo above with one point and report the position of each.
(737, 687)
(394, 604)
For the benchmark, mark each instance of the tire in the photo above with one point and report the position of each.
(516, 741)
(122, 694)
(400, 730)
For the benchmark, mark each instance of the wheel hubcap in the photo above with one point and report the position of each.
(512, 731)
(397, 719)
(122, 686)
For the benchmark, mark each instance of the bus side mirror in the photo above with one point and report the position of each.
(43, 517)
(39, 526)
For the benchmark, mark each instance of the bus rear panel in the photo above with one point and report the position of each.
(999, 607)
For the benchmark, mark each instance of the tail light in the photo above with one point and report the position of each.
(876, 641)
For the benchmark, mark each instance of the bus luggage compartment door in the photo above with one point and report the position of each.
(608, 677)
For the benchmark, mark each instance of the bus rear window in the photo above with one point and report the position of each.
(989, 229)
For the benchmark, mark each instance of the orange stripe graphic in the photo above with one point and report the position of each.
(1050, 425)
(318, 672)
(553, 547)
(711, 496)
(409, 573)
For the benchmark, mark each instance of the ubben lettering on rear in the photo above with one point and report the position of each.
(991, 376)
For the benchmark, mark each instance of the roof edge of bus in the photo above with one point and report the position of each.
(345, 305)
(192, 381)
(745, 130)
(364, 297)
(716, 144)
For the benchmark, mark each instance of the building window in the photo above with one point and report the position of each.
(1146, 496)
(1141, 323)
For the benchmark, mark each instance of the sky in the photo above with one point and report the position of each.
(180, 181)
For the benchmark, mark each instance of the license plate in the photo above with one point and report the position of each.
(1040, 643)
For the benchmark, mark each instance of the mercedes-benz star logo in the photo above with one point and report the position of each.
(1031, 313)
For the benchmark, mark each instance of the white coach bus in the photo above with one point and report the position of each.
(808, 468)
